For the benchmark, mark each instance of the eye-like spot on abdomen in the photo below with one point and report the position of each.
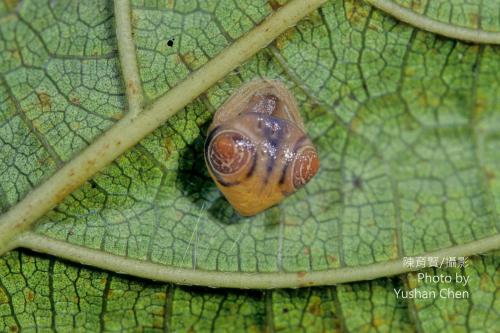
(306, 165)
(230, 152)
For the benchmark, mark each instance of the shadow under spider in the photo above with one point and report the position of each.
(197, 185)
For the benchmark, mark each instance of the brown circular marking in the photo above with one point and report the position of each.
(305, 166)
(229, 152)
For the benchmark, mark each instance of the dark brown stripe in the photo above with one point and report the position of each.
(225, 183)
(296, 147)
(253, 167)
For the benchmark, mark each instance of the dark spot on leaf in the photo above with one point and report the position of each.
(275, 5)
(357, 183)
(44, 99)
(74, 100)
(285, 310)
(171, 42)
(14, 328)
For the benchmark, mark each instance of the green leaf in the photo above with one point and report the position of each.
(406, 123)
(38, 292)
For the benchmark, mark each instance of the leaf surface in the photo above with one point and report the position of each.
(404, 122)
(52, 295)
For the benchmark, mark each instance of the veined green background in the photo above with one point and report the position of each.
(406, 123)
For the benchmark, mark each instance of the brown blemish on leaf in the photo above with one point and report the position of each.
(3, 297)
(484, 282)
(301, 274)
(427, 100)
(416, 5)
(490, 175)
(74, 100)
(169, 146)
(474, 20)
(132, 87)
(15, 54)
(375, 27)
(133, 19)
(307, 251)
(11, 4)
(377, 322)
(306, 284)
(30, 296)
(479, 106)
(44, 99)
(187, 58)
(275, 5)
(331, 258)
(315, 306)
(412, 281)
(356, 13)
(355, 124)
(117, 116)
(284, 38)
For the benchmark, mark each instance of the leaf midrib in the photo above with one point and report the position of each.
(263, 280)
(425, 23)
